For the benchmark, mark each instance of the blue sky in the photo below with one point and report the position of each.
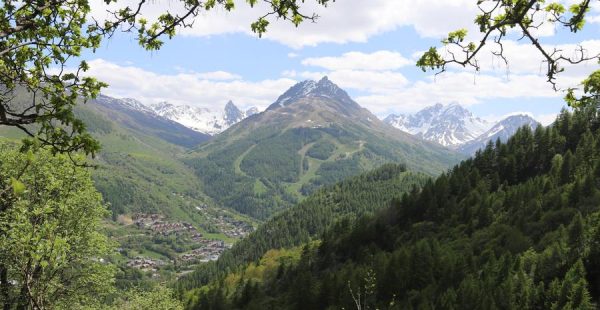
(369, 51)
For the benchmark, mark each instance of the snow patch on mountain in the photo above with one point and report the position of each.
(503, 130)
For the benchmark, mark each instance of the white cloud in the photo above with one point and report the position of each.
(595, 19)
(376, 61)
(292, 55)
(210, 90)
(524, 58)
(218, 76)
(341, 22)
(462, 87)
(371, 81)
(289, 73)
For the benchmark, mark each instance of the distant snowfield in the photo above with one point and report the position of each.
(202, 119)
(456, 127)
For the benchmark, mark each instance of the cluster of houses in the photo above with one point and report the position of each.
(211, 250)
(233, 228)
(208, 249)
(159, 225)
(145, 264)
(229, 226)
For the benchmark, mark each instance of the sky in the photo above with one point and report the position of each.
(369, 48)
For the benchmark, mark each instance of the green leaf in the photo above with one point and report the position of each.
(18, 186)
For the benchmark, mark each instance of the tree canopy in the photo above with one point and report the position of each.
(501, 18)
(50, 233)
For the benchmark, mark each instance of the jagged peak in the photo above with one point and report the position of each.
(230, 105)
(310, 88)
(232, 113)
(325, 81)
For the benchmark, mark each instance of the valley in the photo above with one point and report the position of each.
(180, 198)
(186, 204)
(320, 154)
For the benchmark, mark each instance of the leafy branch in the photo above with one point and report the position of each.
(497, 18)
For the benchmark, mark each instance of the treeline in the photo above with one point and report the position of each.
(515, 227)
(350, 198)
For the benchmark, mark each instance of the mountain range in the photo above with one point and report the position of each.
(312, 135)
(457, 128)
(451, 125)
(202, 119)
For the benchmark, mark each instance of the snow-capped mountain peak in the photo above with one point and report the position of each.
(202, 119)
(305, 89)
(449, 125)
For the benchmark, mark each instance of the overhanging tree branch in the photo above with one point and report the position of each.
(521, 16)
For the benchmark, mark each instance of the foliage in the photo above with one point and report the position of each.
(238, 288)
(50, 220)
(515, 227)
(159, 298)
(500, 18)
(321, 150)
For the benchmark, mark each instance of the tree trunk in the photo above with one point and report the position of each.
(4, 288)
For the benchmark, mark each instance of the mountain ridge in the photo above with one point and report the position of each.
(502, 131)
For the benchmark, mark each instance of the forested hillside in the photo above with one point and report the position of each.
(516, 227)
(348, 199)
(313, 135)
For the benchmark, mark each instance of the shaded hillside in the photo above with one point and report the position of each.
(516, 227)
(357, 196)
